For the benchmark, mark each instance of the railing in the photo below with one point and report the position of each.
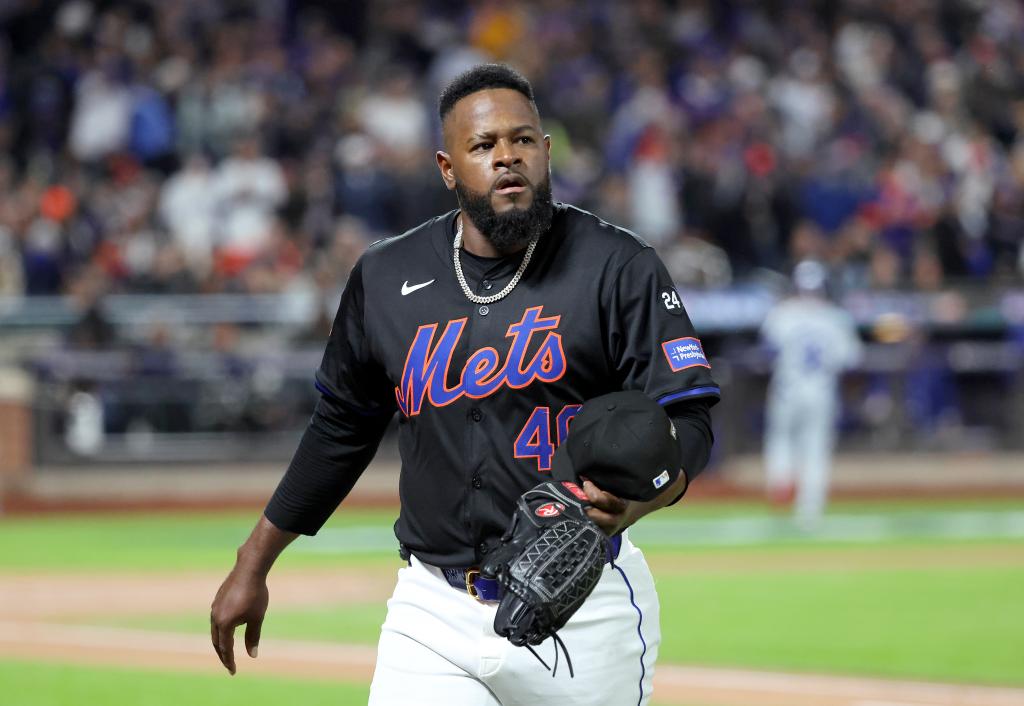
(101, 408)
(962, 384)
(183, 309)
(738, 308)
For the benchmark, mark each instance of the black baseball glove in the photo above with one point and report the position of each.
(549, 560)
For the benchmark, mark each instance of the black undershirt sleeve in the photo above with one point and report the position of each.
(692, 420)
(335, 449)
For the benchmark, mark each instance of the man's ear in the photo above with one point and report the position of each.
(444, 164)
(547, 144)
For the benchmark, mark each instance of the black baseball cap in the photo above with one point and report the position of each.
(623, 442)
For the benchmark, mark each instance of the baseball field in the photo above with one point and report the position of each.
(887, 604)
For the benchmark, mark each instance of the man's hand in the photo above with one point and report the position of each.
(614, 514)
(609, 512)
(241, 600)
(243, 597)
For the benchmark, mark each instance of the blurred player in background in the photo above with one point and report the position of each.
(814, 341)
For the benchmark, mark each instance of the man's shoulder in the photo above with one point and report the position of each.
(412, 243)
(592, 231)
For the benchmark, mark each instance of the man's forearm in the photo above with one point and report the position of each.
(692, 421)
(636, 509)
(264, 545)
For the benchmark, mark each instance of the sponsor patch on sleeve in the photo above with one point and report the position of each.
(683, 353)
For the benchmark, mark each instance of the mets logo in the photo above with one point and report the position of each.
(549, 510)
(425, 374)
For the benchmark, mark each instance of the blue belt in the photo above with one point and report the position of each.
(485, 589)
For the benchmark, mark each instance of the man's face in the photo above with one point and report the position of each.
(497, 160)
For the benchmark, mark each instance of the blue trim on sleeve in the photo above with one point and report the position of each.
(323, 390)
(362, 412)
(639, 631)
(712, 390)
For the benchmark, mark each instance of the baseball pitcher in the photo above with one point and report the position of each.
(488, 330)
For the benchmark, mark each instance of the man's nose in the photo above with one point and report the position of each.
(505, 155)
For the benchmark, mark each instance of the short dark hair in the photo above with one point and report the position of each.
(480, 78)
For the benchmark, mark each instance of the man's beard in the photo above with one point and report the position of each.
(513, 229)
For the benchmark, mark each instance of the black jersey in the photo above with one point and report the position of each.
(485, 392)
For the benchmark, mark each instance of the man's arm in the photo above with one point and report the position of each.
(614, 514)
(692, 421)
(243, 597)
(335, 449)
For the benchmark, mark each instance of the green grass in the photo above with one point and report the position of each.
(947, 624)
(151, 542)
(38, 684)
(951, 624)
(198, 541)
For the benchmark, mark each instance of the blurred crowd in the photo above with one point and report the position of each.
(184, 146)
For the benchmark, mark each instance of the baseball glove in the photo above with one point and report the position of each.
(549, 560)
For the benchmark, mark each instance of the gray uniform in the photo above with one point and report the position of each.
(814, 342)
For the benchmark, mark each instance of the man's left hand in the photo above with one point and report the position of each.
(614, 514)
(609, 512)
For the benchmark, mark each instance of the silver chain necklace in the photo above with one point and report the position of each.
(475, 298)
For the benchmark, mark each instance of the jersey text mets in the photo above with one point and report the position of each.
(427, 363)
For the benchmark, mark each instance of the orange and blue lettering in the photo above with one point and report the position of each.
(427, 363)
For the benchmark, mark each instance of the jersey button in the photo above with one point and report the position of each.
(488, 284)
(476, 415)
(485, 310)
(477, 482)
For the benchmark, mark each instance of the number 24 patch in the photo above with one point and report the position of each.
(669, 297)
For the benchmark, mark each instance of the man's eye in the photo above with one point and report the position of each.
(483, 146)
(526, 140)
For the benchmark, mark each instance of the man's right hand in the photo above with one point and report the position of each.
(243, 597)
(241, 600)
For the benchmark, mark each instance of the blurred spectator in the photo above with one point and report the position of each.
(246, 189)
(11, 282)
(84, 423)
(101, 120)
(216, 146)
(694, 262)
(394, 115)
(187, 210)
(806, 102)
(91, 330)
(885, 269)
(886, 138)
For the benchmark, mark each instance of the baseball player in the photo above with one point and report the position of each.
(814, 341)
(485, 329)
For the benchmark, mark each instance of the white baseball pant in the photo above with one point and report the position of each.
(438, 646)
(799, 440)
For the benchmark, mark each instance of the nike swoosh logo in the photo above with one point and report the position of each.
(406, 289)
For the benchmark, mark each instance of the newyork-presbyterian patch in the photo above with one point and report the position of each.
(683, 353)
